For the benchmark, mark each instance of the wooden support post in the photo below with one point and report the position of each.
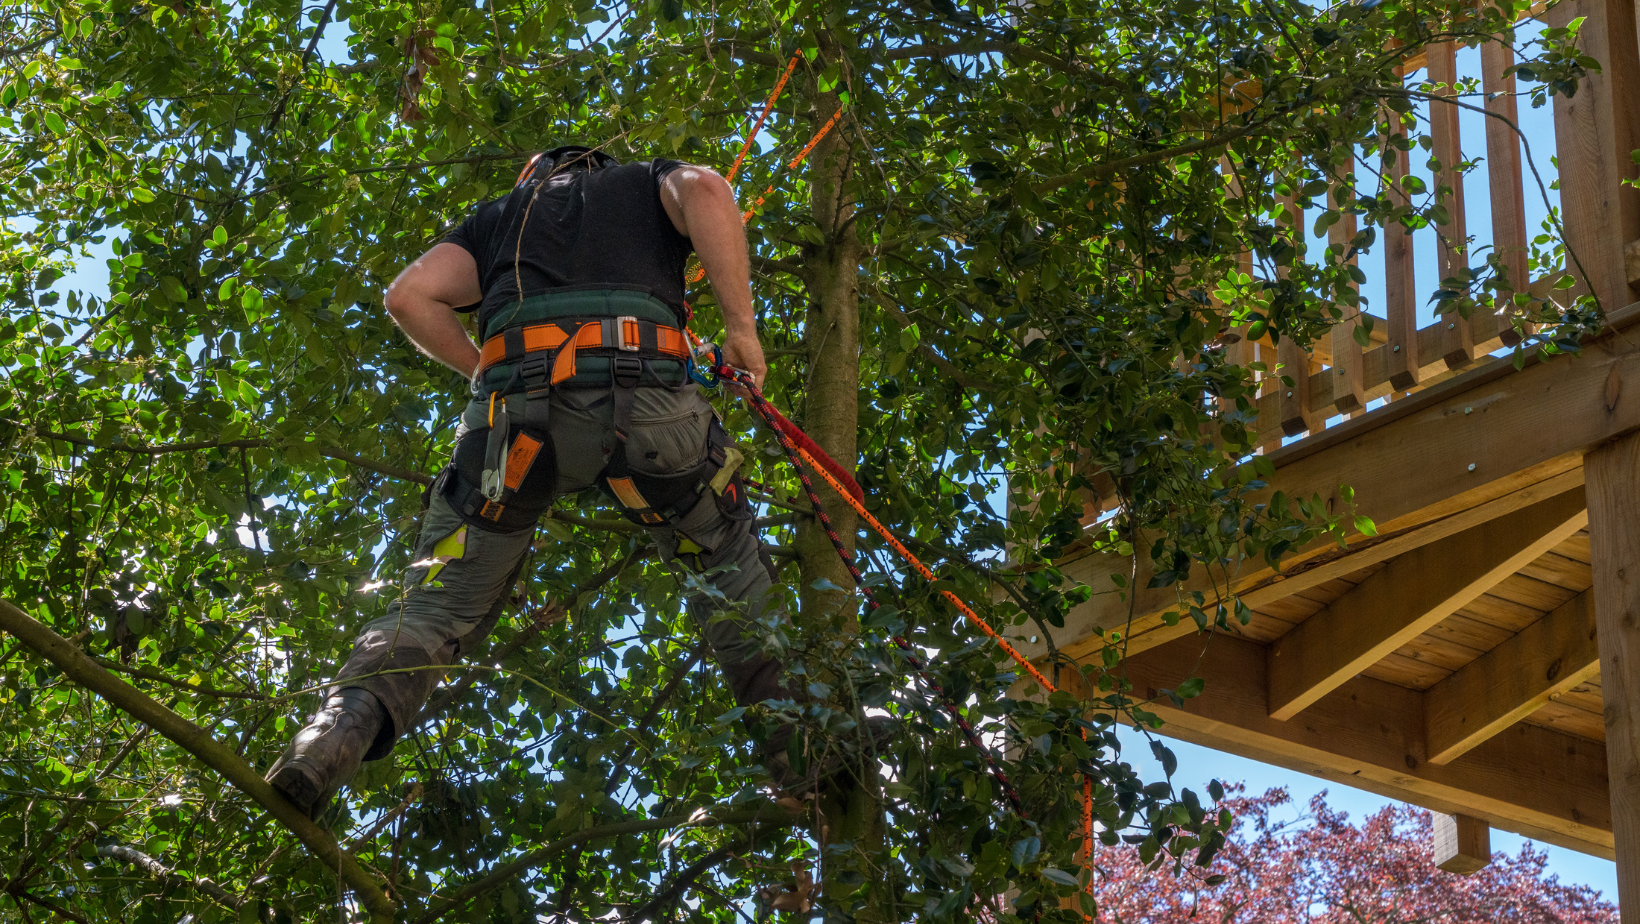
(1457, 337)
(1595, 132)
(1409, 597)
(1504, 180)
(1463, 844)
(1613, 480)
(1400, 284)
(1349, 382)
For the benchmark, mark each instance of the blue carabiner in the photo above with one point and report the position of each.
(699, 377)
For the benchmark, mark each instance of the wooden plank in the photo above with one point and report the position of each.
(1293, 361)
(1512, 681)
(1570, 720)
(1400, 283)
(1463, 844)
(1456, 333)
(1406, 672)
(1505, 183)
(1416, 591)
(1595, 131)
(1369, 734)
(1539, 595)
(1561, 571)
(1614, 527)
(1409, 465)
(1348, 369)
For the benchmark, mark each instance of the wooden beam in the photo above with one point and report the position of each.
(1369, 734)
(1408, 463)
(1513, 680)
(1463, 844)
(1409, 597)
(1614, 543)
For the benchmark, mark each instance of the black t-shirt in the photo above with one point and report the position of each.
(583, 229)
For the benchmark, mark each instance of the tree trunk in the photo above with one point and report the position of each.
(832, 338)
(831, 417)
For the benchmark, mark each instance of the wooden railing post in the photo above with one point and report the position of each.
(1400, 285)
(1294, 399)
(1504, 181)
(1457, 337)
(1595, 132)
(1349, 384)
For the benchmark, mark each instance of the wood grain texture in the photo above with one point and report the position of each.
(1370, 735)
(1416, 591)
(1512, 681)
(1614, 528)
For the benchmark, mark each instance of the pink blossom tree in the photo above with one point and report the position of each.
(1322, 869)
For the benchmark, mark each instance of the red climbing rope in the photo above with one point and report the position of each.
(907, 650)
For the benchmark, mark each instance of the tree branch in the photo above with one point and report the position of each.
(946, 367)
(535, 858)
(182, 684)
(165, 875)
(196, 741)
(380, 468)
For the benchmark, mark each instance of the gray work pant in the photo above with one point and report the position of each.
(455, 590)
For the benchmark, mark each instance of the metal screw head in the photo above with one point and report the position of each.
(1471, 466)
(1468, 410)
(1452, 327)
(1397, 348)
(1289, 394)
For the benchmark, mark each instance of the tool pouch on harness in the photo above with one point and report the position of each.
(504, 475)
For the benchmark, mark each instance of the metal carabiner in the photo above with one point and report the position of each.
(695, 373)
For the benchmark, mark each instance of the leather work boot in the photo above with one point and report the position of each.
(328, 751)
(847, 750)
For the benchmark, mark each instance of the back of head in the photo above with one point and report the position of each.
(569, 158)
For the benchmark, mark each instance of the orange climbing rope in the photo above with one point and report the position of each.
(905, 553)
(768, 106)
(928, 575)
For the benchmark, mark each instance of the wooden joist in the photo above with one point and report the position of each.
(1407, 598)
(1512, 681)
(1370, 734)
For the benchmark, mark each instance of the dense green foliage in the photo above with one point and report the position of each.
(994, 264)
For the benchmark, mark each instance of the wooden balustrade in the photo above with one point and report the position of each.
(1594, 133)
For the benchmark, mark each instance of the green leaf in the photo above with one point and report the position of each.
(54, 121)
(1190, 688)
(1059, 876)
(1365, 526)
(69, 64)
(142, 195)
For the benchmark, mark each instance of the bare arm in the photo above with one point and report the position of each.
(702, 207)
(423, 300)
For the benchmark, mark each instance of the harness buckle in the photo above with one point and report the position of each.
(627, 370)
(622, 341)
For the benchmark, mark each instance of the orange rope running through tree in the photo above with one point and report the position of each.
(1012, 652)
(905, 553)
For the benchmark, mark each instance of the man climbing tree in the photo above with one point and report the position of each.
(577, 277)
